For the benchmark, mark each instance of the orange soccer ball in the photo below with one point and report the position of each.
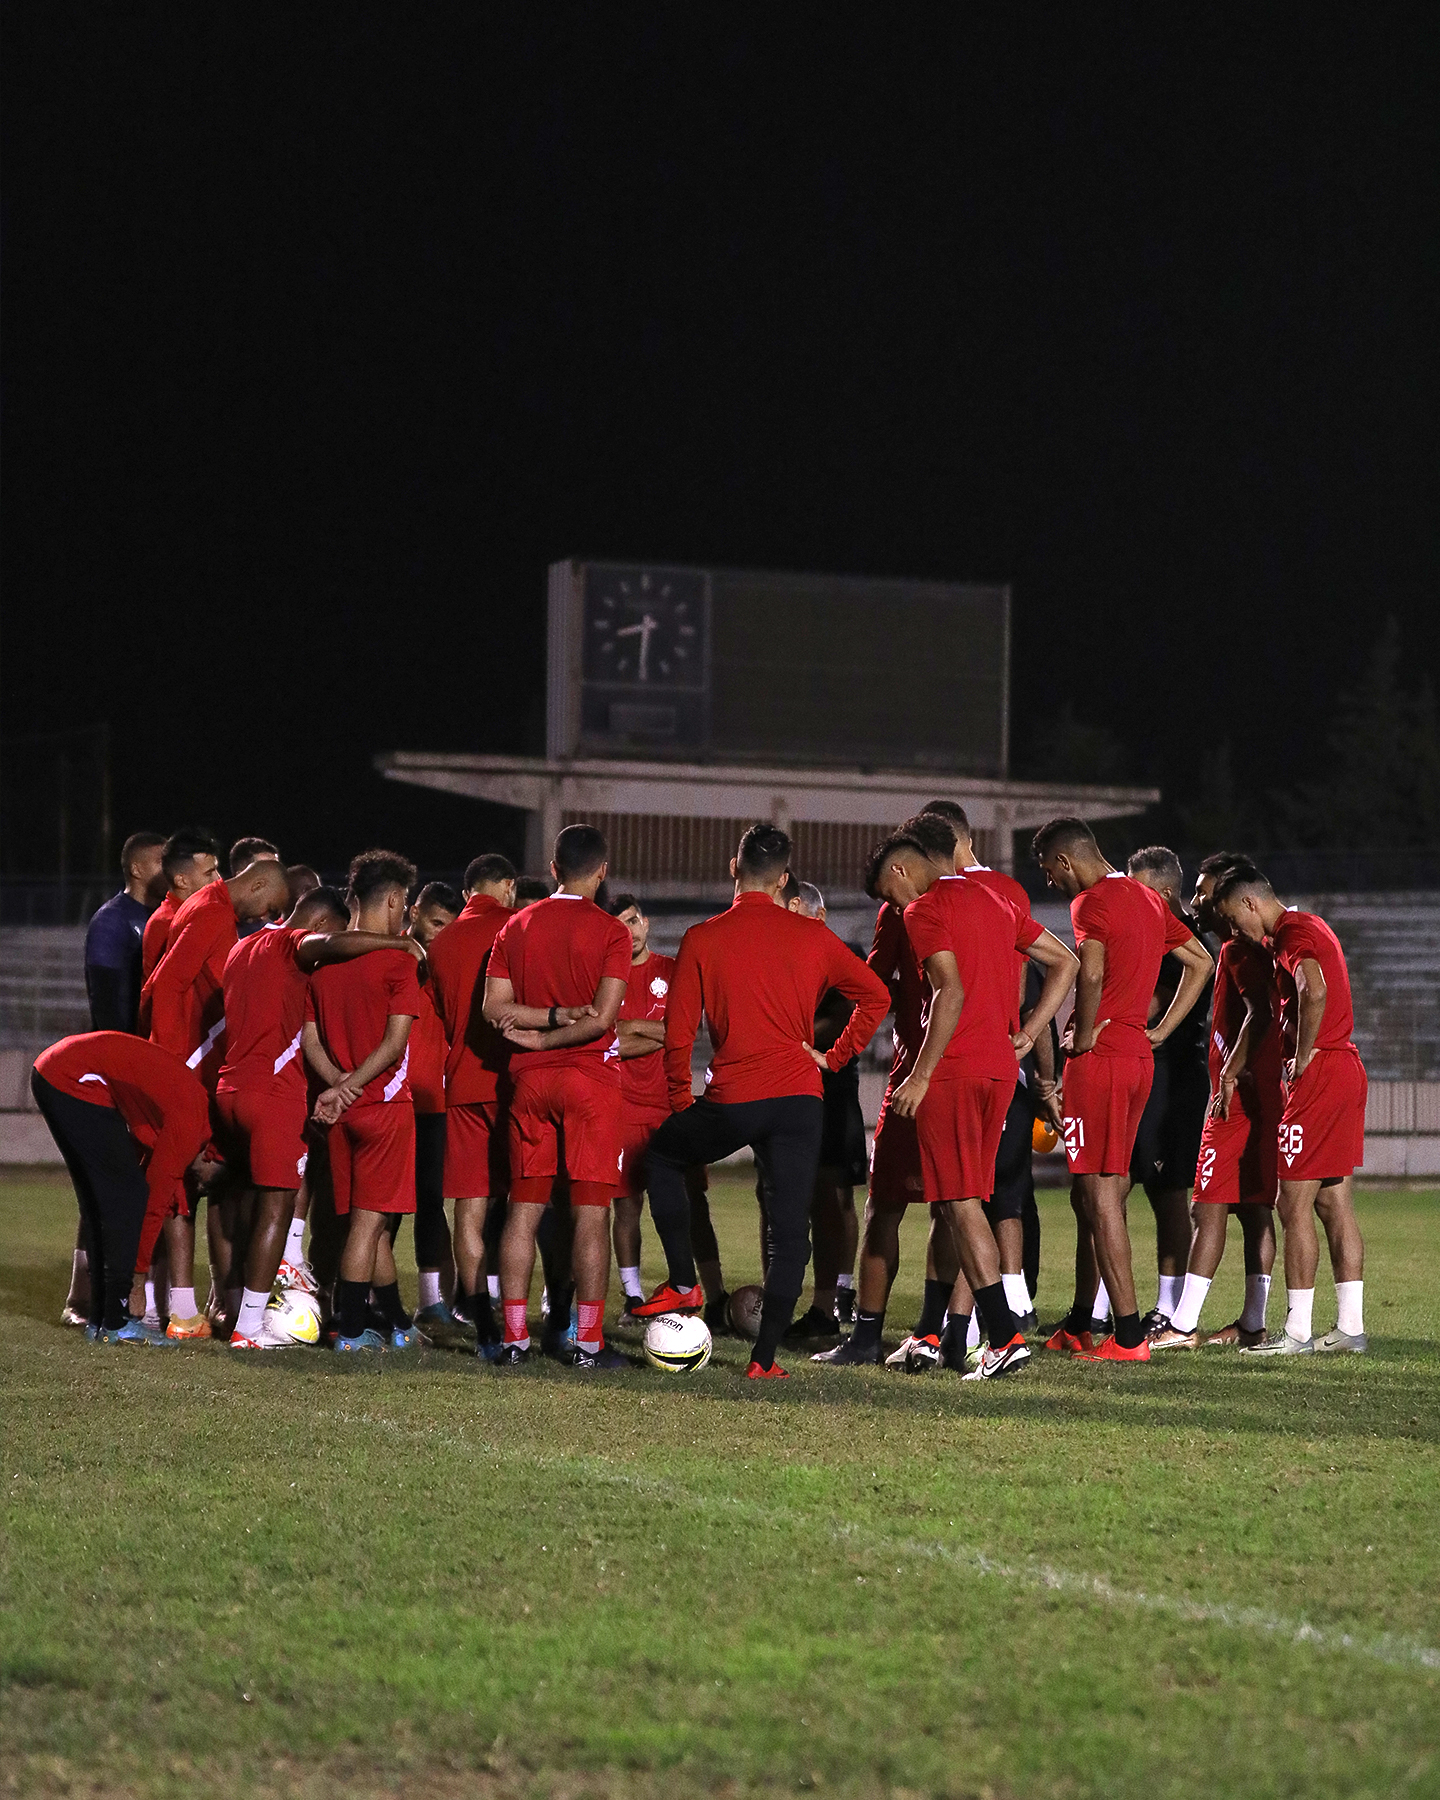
(1042, 1138)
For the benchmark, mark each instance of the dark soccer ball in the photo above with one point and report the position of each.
(743, 1310)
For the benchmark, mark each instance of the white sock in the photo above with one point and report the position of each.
(972, 1336)
(493, 1283)
(1350, 1300)
(1017, 1295)
(1101, 1308)
(1299, 1313)
(430, 1288)
(150, 1312)
(844, 1281)
(79, 1264)
(630, 1284)
(251, 1313)
(1257, 1298)
(1170, 1290)
(182, 1303)
(295, 1242)
(1186, 1314)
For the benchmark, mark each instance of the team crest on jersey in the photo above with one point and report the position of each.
(659, 987)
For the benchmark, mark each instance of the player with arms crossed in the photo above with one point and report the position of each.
(757, 973)
(358, 1017)
(1236, 1165)
(1321, 1137)
(555, 982)
(1122, 930)
(965, 937)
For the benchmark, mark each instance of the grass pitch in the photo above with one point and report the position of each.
(297, 1575)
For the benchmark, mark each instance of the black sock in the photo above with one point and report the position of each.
(115, 1306)
(1129, 1332)
(775, 1315)
(994, 1309)
(932, 1311)
(560, 1302)
(868, 1327)
(481, 1313)
(393, 1313)
(352, 1303)
(1078, 1317)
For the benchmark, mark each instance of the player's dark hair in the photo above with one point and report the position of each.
(1244, 877)
(1156, 859)
(491, 868)
(529, 889)
(134, 844)
(764, 851)
(1226, 859)
(441, 894)
(244, 851)
(934, 833)
(1065, 833)
(185, 846)
(302, 880)
(622, 903)
(373, 870)
(903, 839)
(322, 902)
(951, 810)
(579, 851)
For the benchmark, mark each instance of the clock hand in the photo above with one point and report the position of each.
(642, 631)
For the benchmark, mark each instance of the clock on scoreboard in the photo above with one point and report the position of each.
(647, 659)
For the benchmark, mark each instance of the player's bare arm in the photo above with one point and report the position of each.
(560, 1027)
(317, 949)
(1252, 1029)
(1310, 1005)
(1197, 965)
(1061, 966)
(502, 1010)
(946, 1004)
(640, 1037)
(384, 1056)
(1083, 1029)
(318, 1058)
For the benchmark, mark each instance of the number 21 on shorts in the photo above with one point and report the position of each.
(1074, 1135)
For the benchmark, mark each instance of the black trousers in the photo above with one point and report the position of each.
(786, 1133)
(432, 1233)
(110, 1185)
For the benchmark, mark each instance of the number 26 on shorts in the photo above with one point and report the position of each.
(1292, 1142)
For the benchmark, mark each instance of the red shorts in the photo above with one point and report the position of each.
(477, 1161)
(960, 1121)
(372, 1159)
(636, 1131)
(896, 1178)
(264, 1132)
(1104, 1098)
(1322, 1130)
(565, 1118)
(1236, 1165)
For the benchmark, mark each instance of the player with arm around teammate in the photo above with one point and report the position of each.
(1321, 1136)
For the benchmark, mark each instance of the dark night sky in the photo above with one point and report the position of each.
(326, 328)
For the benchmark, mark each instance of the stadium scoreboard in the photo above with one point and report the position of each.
(724, 665)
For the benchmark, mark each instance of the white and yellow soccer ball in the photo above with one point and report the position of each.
(294, 1315)
(677, 1343)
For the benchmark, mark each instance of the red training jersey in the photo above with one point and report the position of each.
(477, 1057)
(1298, 936)
(758, 972)
(982, 929)
(642, 1078)
(161, 1102)
(264, 995)
(156, 934)
(428, 1050)
(1137, 928)
(1245, 971)
(556, 953)
(894, 962)
(351, 1004)
(187, 1008)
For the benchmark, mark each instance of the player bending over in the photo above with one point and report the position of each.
(1236, 1164)
(1123, 931)
(555, 982)
(358, 1017)
(1321, 1138)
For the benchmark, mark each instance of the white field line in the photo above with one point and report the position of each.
(1398, 1652)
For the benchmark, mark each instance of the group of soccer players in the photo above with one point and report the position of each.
(302, 1059)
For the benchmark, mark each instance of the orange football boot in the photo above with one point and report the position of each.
(1070, 1343)
(1108, 1350)
(773, 1373)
